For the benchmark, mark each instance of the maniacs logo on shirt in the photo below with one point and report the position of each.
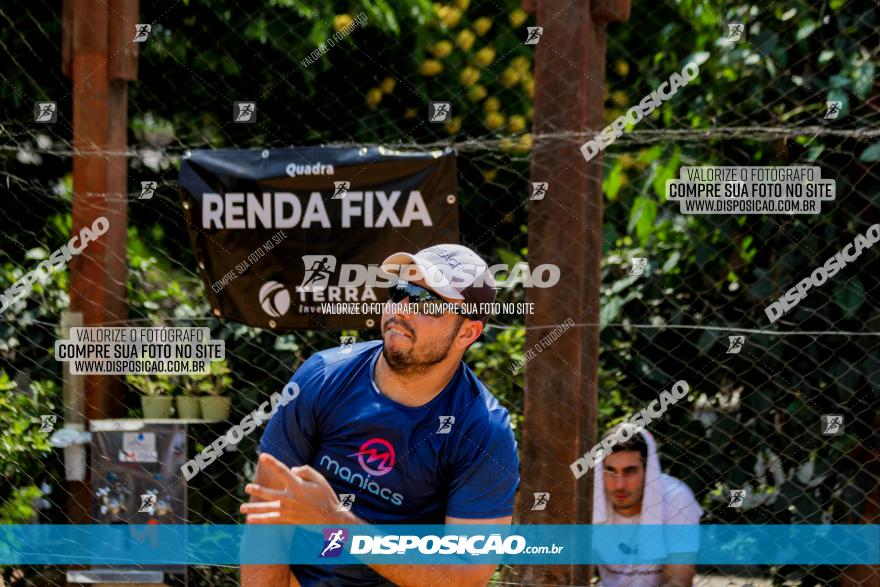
(376, 458)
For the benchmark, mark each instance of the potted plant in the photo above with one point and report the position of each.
(188, 402)
(215, 406)
(155, 402)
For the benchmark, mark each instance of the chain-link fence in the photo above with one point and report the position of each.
(683, 296)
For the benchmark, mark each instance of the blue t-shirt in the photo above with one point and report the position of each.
(454, 456)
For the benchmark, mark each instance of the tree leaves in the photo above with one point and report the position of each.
(871, 154)
(849, 296)
(642, 217)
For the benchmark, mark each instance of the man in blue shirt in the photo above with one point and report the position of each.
(402, 424)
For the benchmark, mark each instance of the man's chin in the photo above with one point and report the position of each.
(394, 339)
(399, 361)
(395, 350)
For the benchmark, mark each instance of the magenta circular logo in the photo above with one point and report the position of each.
(376, 456)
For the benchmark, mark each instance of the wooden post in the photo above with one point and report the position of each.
(73, 391)
(565, 228)
(99, 57)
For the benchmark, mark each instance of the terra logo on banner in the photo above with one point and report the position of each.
(274, 299)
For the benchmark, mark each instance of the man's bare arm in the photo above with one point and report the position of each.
(266, 575)
(442, 575)
(305, 497)
(678, 575)
(256, 577)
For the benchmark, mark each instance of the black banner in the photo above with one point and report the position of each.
(280, 232)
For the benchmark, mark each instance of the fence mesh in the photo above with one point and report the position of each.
(754, 419)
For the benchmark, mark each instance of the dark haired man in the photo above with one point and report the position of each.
(630, 488)
(402, 424)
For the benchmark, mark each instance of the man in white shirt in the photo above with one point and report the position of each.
(630, 488)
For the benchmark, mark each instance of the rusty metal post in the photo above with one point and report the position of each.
(565, 228)
(99, 57)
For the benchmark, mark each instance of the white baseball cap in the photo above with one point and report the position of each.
(453, 271)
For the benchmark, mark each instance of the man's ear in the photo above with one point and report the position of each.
(469, 331)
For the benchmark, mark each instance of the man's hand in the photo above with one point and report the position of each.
(268, 575)
(301, 495)
(298, 495)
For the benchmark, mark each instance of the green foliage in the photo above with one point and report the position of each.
(751, 418)
(721, 271)
(20, 436)
(22, 445)
(215, 382)
(151, 385)
(18, 508)
(490, 358)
